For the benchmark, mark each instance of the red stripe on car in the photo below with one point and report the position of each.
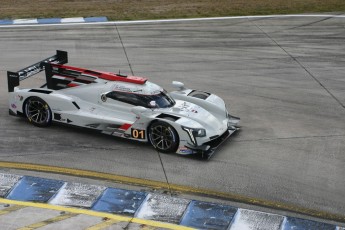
(125, 126)
(104, 75)
(72, 85)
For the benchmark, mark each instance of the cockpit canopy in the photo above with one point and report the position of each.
(162, 99)
(141, 95)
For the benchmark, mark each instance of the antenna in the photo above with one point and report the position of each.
(124, 49)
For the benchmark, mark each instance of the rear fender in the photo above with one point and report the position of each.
(56, 102)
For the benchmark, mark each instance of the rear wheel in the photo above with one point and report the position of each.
(38, 112)
(163, 137)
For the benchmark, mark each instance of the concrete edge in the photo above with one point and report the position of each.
(104, 20)
(176, 188)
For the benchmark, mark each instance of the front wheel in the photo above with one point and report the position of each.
(38, 112)
(163, 137)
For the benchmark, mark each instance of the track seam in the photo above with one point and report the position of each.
(312, 23)
(165, 174)
(301, 65)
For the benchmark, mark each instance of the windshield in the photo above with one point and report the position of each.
(163, 99)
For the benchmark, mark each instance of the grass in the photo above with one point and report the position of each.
(154, 9)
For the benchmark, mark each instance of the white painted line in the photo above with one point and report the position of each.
(77, 195)
(248, 219)
(25, 21)
(162, 208)
(80, 21)
(72, 20)
(226, 18)
(7, 181)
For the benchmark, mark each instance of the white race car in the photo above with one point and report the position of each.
(185, 121)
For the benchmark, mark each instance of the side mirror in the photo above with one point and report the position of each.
(138, 110)
(178, 85)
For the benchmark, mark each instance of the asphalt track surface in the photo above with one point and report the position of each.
(283, 76)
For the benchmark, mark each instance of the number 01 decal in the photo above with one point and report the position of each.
(138, 134)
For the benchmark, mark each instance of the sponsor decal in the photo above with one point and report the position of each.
(32, 70)
(186, 107)
(186, 150)
(19, 97)
(121, 88)
(117, 134)
(13, 106)
(156, 92)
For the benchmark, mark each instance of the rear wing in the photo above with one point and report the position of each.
(13, 78)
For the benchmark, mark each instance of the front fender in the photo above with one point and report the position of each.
(213, 103)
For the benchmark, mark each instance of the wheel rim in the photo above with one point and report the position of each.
(162, 137)
(37, 111)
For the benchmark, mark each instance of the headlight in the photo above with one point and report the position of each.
(192, 132)
(199, 132)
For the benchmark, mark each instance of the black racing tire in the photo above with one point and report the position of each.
(163, 137)
(38, 112)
